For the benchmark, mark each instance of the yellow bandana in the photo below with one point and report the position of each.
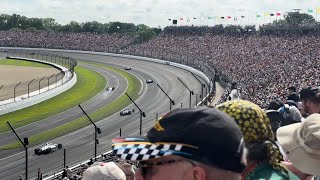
(254, 125)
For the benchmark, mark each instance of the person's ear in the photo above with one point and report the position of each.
(198, 173)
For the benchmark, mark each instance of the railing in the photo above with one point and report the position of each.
(22, 90)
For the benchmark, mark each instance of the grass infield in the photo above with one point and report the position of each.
(87, 81)
(22, 63)
(109, 109)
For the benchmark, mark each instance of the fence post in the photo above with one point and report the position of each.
(120, 132)
(181, 105)
(156, 117)
(40, 82)
(49, 80)
(29, 87)
(14, 92)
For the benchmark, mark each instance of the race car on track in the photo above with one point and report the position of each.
(149, 81)
(127, 68)
(126, 112)
(110, 88)
(48, 148)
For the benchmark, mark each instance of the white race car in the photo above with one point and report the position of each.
(126, 112)
(48, 148)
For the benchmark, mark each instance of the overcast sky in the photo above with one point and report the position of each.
(152, 12)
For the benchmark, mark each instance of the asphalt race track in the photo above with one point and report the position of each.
(79, 145)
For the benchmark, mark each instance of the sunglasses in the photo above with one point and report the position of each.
(145, 167)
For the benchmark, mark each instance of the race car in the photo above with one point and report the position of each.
(48, 148)
(149, 81)
(126, 112)
(110, 88)
(127, 68)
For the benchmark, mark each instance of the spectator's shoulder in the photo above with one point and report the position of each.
(265, 171)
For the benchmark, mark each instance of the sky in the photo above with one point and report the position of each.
(156, 13)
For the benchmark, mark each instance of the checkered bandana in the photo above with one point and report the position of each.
(137, 151)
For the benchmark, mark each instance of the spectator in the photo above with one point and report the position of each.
(301, 142)
(196, 143)
(263, 156)
(104, 171)
(292, 94)
(310, 98)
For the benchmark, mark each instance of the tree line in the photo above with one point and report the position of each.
(294, 22)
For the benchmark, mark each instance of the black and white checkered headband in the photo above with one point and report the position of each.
(137, 151)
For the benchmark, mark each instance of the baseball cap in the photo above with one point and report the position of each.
(203, 134)
(301, 143)
(104, 171)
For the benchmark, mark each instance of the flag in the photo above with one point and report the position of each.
(258, 16)
(318, 10)
(266, 14)
(271, 14)
(278, 14)
(209, 17)
(310, 11)
(229, 17)
(181, 19)
(242, 16)
(222, 17)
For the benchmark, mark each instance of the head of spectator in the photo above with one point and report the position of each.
(310, 98)
(263, 157)
(301, 142)
(276, 119)
(195, 143)
(291, 90)
(290, 113)
(103, 171)
(292, 94)
(275, 105)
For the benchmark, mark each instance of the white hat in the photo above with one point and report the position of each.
(301, 143)
(104, 171)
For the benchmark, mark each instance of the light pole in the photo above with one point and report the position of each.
(25, 142)
(96, 132)
(202, 86)
(171, 101)
(191, 92)
(141, 113)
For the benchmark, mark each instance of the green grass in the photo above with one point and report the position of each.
(22, 63)
(133, 90)
(89, 83)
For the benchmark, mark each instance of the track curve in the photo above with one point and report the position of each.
(79, 145)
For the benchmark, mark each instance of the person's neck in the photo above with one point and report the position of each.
(251, 163)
